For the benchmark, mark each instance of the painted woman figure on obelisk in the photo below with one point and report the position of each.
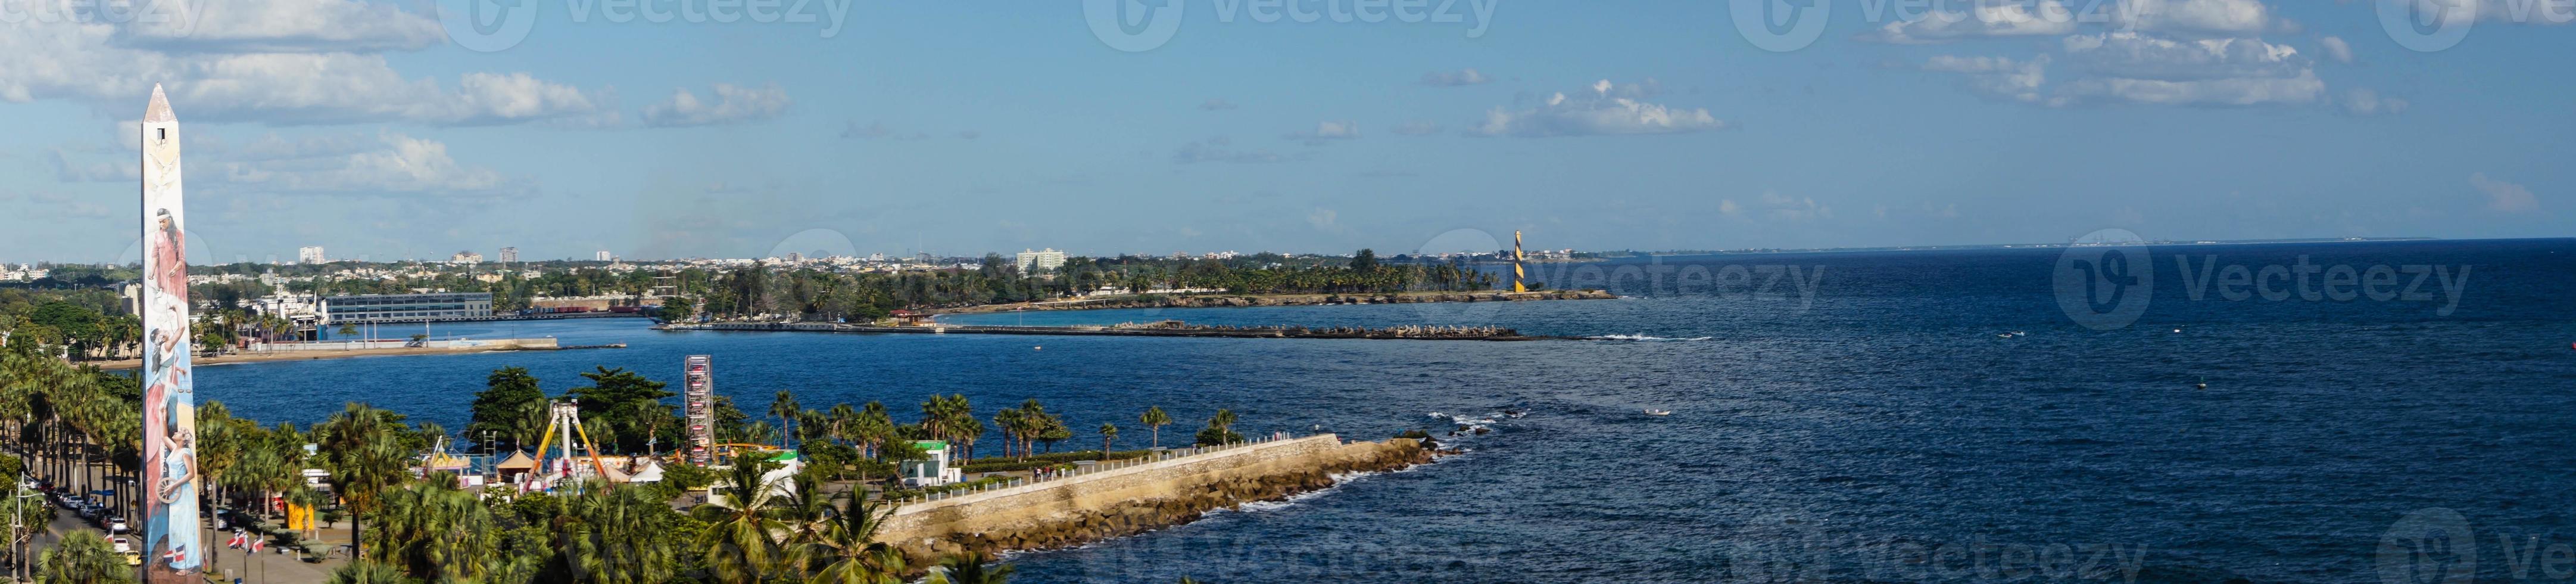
(169, 398)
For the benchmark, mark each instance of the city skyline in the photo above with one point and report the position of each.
(2175, 119)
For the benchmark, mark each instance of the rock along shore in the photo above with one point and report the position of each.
(1130, 500)
(1243, 300)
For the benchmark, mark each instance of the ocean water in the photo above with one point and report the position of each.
(1892, 417)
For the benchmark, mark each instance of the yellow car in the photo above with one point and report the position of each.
(133, 558)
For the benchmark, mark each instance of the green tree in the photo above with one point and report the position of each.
(1108, 433)
(370, 572)
(500, 409)
(1220, 430)
(617, 536)
(434, 531)
(848, 551)
(363, 449)
(969, 568)
(738, 545)
(785, 409)
(83, 557)
(1155, 418)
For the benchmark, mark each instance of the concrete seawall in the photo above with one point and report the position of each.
(1124, 501)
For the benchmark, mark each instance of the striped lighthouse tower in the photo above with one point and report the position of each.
(1517, 274)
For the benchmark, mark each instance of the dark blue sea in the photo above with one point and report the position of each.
(2403, 416)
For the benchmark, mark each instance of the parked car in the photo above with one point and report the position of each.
(133, 558)
(122, 546)
(88, 512)
(116, 525)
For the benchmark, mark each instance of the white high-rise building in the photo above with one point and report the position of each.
(465, 258)
(603, 256)
(311, 254)
(1032, 262)
(509, 255)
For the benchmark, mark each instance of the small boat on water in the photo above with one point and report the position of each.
(1656, 412)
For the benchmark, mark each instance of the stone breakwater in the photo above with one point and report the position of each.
(1244, 300)
(1126, 501)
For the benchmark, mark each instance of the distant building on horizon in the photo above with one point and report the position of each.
(426, 307)
(603, 256)
(1032, 262)
(311, 254)
(465, 258)
(509, 255)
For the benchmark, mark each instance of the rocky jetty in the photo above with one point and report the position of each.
(1243, 300)
(1116, 506)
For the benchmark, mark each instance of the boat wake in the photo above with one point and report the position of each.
(1645, 338)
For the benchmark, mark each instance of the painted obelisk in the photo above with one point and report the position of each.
(170, 518)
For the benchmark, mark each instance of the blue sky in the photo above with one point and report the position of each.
(960, 128)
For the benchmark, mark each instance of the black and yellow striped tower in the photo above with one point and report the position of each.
(1517, 274)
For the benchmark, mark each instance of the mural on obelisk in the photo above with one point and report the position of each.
(170, 517)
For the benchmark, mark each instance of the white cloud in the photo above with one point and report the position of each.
(282, 26)
(2504, 196)
(2194, 17)
(1468, 76)
(2338, 49)
(1997, 77)
(2138, 56)
(2365, 102)
(1986, 19)
(1328, 130)
(732, 104)
(389, 162)
(2136, 68)
(86, 63)
(1608, 110)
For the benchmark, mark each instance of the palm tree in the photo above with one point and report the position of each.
(784, 408)
(1009, 420)
(1108, 432)
(616, 537)
(804, 507)
(82, 558)
(739, 544)
(1156, 419)
(969, 568)
(848, 552)
(434, 530)
(365, 457)
(367, 572)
